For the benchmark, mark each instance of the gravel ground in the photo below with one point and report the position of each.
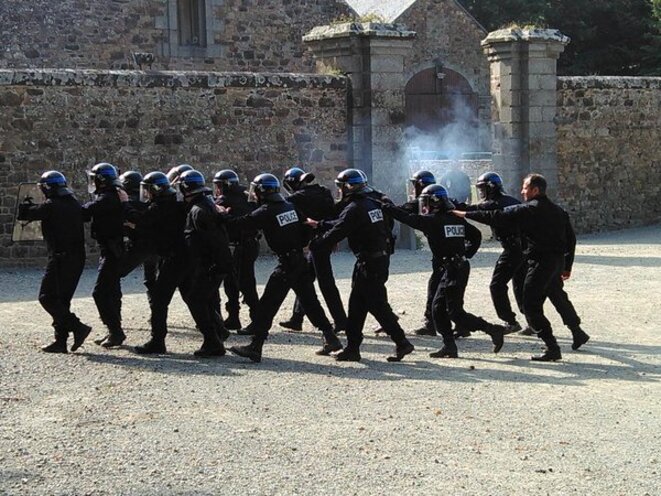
(112, 422)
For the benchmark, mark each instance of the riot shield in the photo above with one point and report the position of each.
(24, 230)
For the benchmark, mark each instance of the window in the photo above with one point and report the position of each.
(191, 17)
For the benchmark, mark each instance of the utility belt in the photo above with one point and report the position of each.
(370, 255)
(290, 256)
(453, 260)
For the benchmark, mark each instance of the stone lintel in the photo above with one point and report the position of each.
(360, 29)
(530, 35)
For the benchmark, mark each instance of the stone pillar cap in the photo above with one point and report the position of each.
(366, 29)
(532, 34)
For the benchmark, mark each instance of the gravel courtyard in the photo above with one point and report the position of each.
(112, 422)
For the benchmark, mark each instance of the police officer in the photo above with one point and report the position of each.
(245, 245)
(490, 190)
(163, 223)
(106, 214)
(62, 227)
(546, 230)
(452, 243)
(457, 183)
(362, 222)
(210, 260)
(138, 250)
(173, 176)
(316, 202)
(286, 235)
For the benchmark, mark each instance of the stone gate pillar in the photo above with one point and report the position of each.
(524, 89)
(372, 56)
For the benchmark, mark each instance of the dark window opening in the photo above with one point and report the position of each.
(192, 22)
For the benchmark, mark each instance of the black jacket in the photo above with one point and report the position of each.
(237, 200)
(206, 238)
(106, 214)
(61, 224)
(314, 201)
(508, 235)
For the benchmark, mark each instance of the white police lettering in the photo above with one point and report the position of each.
(287, 218)
(455, 231)
(375, 215)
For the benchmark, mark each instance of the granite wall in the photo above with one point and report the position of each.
(72, 119)
(609, 165)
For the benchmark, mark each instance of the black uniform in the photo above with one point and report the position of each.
(458, 185)
(286, 235)
(245, 245)
(62, 227)
(106, 214)
(210, 260)
(363, 223)
(547, 234)
(452, 242)
(509, 262)
(316, 202)
(163, 223)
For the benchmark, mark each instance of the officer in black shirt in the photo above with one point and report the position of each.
(245, 248)
(452, 243)
(286, 235)
(106, 214)
(138, 250)
(490, 189)
(62, 227)
(315, 202)
(163, 223)
(210, 259)
(546, 230)
(362, 222)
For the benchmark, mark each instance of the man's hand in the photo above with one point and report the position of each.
(565, 275)
(223, 210)
(458, 213)
(122, 195)
(312, 223)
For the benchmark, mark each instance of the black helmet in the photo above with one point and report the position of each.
(489, 184)
(226, 179)
(434, 198)
(419, 181)
(351, 181)
(265, 188)
(295, 178)
(177, 171)
(131, 182)
(102, 176)
(53, 183)
(155, 185)
(191, 182)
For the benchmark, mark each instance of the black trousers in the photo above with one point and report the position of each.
(107, 291)
(170, 275)
(507, 269)
(201, 296)
(58, 286)
(432, 287)
(319, 262)
(560, 300)
(138, 253)
(292, 272)
(369, 295)
(242, 280)
(542, 275)
(448, 303)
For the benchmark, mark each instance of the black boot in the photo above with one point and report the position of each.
(253, 351)
(461, 333)
(528, 331)
(446, 352)
(232, 322)
(403, 348)
(80, 333)
(512, 327)
(155, 346)
(248, 331)
(212, 346)
(331, 344)
(552, 352)
(293, 324)
(101, 340)
(496, 332)
(580, 337)
(115, 338)
(426, 330)
(57, 346)
(348, 355)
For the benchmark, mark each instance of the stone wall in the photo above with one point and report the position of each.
(609, 165)
(69, 120)
(242, 35)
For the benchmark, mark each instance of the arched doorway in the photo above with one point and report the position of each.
(442, 113)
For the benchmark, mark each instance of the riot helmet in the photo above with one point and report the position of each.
(489, 185)
(419, 181)
(265, 188)
(175, 173)
(225, 180)
(191, 183)
(296, 178)
(434, 198)
(53, 183)
(155, 185)
(350, 181)
(131, 182)
(103, 176)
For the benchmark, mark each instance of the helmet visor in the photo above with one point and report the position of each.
(410, 190)
(91, 182)
(252, 193)
(145, 193)
(424, 207)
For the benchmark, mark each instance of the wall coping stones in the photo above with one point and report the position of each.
(608, 82)
(533, 35)
(362, 29)
(166, 79)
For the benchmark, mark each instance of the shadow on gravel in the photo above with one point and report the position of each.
(653, 262)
